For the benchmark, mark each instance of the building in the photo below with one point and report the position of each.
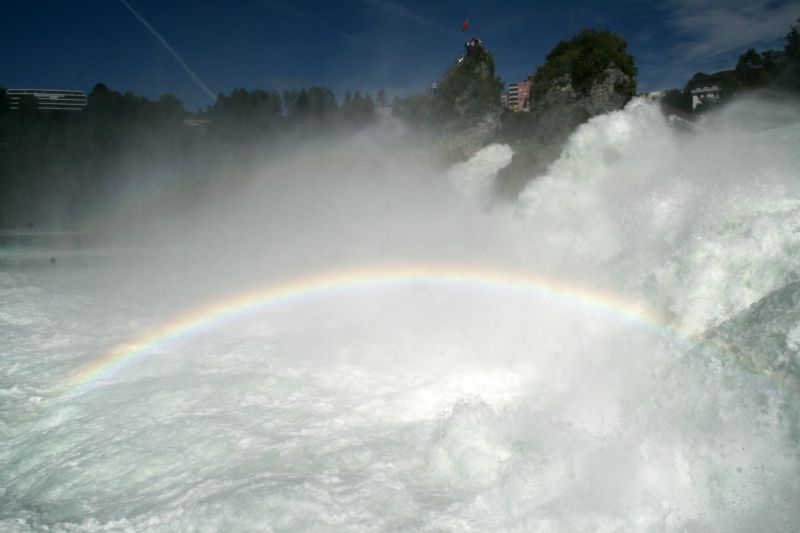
(518, 96)
(652, 96)
(708, 87)
(199, 123)
(709, 93)
(49, 99)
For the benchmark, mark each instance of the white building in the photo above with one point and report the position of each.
(49, 99)
(707, 88)
(652, 96)
(709, 93)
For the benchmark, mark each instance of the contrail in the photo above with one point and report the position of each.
(172, 51)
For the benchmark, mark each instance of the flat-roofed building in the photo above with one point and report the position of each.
(49, 99)
(518, 97)
(652, 96)
(708, 88)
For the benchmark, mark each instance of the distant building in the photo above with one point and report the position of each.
(653, 96)
(709, 93)
(473, 47)
(518, 96)
(49, 99)
(708, 87)
(196, 122)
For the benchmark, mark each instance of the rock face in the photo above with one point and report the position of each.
(765, 338)
(464, 143)
(604, 96)
(467, 103)
(553, 118)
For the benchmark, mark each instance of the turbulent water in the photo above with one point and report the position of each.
(649, 383)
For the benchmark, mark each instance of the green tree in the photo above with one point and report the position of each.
(792, 54)
(27, 105)
(358, 111)
(414, 109)
(678, 100)
(297, 105)
(169, 107)
(468, 91)
(755, 70)
(321, 104)
(793, 42)
(314, 105)
(3, 102)
(246, 114)
(585, 60)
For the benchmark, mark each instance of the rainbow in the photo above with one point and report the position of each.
(344, 280)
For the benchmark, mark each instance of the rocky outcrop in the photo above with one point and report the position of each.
(765, 338)
(553, 118)
(605, 95)
(464, 143)
(466, 106)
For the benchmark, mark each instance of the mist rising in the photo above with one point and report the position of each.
(426, 406)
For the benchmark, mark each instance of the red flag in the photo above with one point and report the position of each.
(465, 27)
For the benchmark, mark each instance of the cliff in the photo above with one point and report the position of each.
(587, 76)
(608, 92)
(465, 109)
(466, 105)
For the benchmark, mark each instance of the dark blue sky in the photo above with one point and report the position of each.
(398, 45)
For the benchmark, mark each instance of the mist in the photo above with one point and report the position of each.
(425, 404)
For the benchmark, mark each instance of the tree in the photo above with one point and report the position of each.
(27, 104)
(468, 92)
(414, 109)
(102, 100)
(793, 42)
(381, 98)
(676, 99)
(246, 114)
(321, 104)
(316, 104)
(297, 105)
(755, 70)
(169, 106)
(792, 54)
(585, 59)
(4, 103)
(358, 111)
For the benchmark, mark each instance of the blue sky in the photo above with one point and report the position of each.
(397, 45)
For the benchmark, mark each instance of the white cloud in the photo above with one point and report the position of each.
(711, 28)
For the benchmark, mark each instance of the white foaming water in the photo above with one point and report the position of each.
(475, 177)
(706, 223)
(432, 406)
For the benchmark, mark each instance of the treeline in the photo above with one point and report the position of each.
(244, 113)
(769, 70)
(58, 169)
